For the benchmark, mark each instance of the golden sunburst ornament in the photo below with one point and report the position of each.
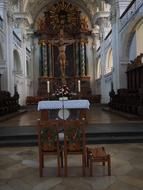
(63, 15)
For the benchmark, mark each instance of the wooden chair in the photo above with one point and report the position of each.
(48, 143)
(98, 154)
(74, 141)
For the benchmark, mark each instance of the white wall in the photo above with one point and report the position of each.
(139, 39)
(132, 48)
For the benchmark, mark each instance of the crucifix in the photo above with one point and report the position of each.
(62, 43)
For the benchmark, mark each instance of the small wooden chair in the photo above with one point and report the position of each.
(97, 154)
(74, 141)
(48, 143)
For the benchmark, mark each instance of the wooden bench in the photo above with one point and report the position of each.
(98, 154)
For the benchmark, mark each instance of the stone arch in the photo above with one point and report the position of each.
(109, 61)
(98, 68)
(36, 13)
(127, 36)
(17, 62)
(134, 39)
(1, 55)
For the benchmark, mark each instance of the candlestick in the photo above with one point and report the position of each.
(48, 86)
(79, 86)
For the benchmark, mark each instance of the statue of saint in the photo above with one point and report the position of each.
(84, 24)
(41, 24)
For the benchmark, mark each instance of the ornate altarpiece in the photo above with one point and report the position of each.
(63, 16)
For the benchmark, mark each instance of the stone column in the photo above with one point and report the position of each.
(50, 60)
(44, 58)
(82, 60)
(115, 43)
(95, 45)
(77, 58)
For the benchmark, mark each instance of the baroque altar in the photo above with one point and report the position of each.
(63, 37)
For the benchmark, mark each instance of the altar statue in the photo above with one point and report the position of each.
(41, 24)
(62, 43)
(84, 24)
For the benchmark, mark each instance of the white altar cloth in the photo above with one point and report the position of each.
(67, 104)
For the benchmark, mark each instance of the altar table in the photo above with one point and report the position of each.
(81, 105)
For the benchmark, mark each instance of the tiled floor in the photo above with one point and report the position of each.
(19, 170)
(19, 166)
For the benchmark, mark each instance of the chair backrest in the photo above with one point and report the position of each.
(48, 138)
(74, 135)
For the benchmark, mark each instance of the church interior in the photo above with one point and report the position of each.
(83, 59)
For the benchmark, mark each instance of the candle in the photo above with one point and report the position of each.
(48, 86)
(78, 85)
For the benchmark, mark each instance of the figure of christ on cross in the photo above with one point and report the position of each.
(62, 43)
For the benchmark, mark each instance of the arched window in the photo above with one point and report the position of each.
(17, 62)
(109, 62)
(98, 69)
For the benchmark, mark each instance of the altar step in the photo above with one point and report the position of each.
(115, 133)
(96, 134)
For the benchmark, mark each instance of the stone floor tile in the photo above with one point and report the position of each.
(118, 185)
(6, 187)
(48, 184)
(132, 181)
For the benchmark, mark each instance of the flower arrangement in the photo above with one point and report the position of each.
(63, 90)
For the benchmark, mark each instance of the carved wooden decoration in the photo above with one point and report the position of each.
(62, 36)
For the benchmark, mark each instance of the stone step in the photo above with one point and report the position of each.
(115, 139)
(95, 134)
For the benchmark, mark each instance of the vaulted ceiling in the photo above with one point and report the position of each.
(34, 7)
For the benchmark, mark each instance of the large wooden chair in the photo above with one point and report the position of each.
(74, 142)
(48, 143)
